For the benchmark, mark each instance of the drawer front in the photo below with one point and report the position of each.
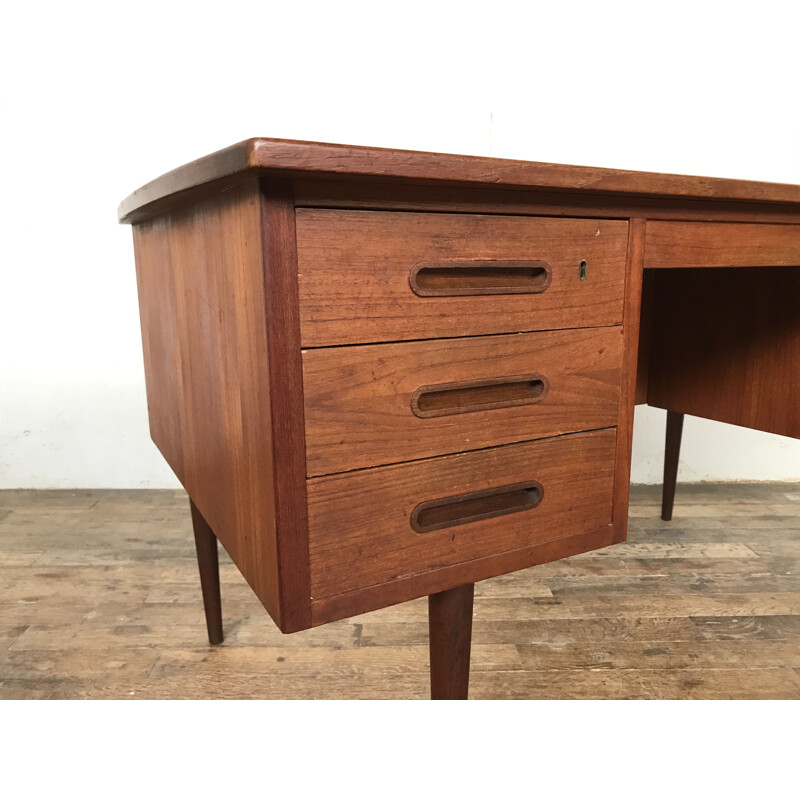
(382, 524)
(375, 276)
(720, 244)
(380, 404)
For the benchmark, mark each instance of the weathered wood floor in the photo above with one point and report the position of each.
(99, 598)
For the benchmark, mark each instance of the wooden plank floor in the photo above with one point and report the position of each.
(99, 598)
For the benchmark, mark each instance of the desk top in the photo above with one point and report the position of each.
(297, 159)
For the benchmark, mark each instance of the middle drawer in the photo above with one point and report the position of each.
(379, 404)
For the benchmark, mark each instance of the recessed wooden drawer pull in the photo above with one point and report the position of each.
(448, 511)
(448, 278)
(459, 398)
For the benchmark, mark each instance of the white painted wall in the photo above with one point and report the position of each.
(97, 98)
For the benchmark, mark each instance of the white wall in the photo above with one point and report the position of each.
(98, 98)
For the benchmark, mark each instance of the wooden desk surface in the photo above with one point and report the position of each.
(296, 159)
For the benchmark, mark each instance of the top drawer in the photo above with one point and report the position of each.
(375, 276)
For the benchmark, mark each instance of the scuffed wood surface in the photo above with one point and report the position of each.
(99, 598)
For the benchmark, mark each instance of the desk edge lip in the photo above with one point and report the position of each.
(303, 159)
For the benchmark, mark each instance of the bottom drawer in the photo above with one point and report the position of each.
(378, 525)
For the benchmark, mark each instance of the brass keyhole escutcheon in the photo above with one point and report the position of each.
(583, 269)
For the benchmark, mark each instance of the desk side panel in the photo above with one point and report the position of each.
(726, 346)
(201, 274)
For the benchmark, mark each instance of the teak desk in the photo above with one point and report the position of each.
(383, 374)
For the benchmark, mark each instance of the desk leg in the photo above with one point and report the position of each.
(450, 624)
(672, 452)
(208, 562)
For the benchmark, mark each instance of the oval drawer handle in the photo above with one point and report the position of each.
(449, 278)
(459, 398)
(445, 512)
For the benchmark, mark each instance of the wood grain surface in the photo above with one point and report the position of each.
(355, 267)
(450, 634)
(282, 158)
(360, 533)
(726, 346)
(359, 400)
(99, 598)
(215, 288)
(633, 302)
(283, 363)
(384, 195)
(370, 598)
(207, 548)
(692, 244)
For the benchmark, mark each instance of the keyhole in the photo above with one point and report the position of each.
(583, 269)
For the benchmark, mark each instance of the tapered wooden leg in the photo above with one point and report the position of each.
(208, 561)
(450, 623)
(672, 452)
